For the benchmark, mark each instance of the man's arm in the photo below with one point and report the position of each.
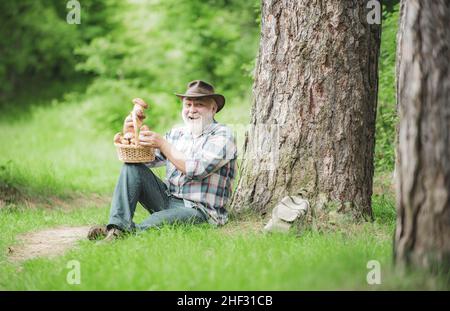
(215, 153)
(174, 155)
(155, 140)
(218, 150)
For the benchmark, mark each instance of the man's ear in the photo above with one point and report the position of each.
(214, 106)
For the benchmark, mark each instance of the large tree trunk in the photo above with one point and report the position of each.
(422, 235)
(315, 90)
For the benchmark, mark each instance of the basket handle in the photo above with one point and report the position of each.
(136, 128)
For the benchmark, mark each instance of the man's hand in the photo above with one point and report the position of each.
(152, 139)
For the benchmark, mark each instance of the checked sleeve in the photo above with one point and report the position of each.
(217, 151)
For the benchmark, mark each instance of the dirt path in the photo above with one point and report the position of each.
(52, 242)
(46, 243)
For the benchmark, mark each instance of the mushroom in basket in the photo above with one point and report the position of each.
(136, 116)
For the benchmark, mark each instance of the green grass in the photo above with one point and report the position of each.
(56, 152)
(235, 257)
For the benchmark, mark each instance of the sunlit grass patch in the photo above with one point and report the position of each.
(201, 257)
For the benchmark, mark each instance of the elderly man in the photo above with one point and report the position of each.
(200, 161)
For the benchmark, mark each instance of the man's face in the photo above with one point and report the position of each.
(197, 113)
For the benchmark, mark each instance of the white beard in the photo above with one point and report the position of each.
(197, 126)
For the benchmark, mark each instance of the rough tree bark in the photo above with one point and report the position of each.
(422, 235)
(316, 83)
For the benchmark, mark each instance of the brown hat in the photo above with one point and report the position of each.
(199, 88)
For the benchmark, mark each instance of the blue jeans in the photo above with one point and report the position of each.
(137, 183)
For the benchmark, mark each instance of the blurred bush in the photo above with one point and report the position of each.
(161, 45)
(37, 43)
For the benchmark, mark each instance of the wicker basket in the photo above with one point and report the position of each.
(135, 153)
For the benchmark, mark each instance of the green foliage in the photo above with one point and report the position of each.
(386, 111)
(37, 42)
(108, 101)
(161, 45)
(30, 46)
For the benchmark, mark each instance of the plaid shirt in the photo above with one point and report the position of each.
(210, 169)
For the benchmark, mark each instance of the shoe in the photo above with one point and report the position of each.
(113, 234)
(97, 232)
